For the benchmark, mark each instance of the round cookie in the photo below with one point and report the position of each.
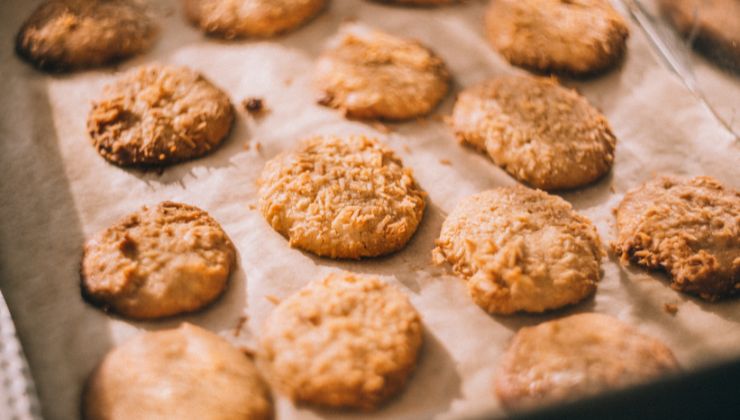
(341, 197)
(543, 134)
(344, 341)
(521, 250)
(70, 34)
(688, 227)
(182, 373)
(370, 74)
(577, 356)
(159, 115)
(418, 2)
(578, 37)
(250, 18)
(713, 26)
(158, 261)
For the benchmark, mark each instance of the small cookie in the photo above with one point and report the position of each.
(521, 250)
(158, 261)
(370, 74)
(713, 26)
(578, 37)
(689, 228)
(250, 18)
(418, 2)
(159, 115)
(543, 134)
(71, 34)
(341, 197)
(577, 356)
(344, 341)
(183, 373)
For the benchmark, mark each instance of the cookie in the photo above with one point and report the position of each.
(159, 115)
(250, 18)
(344, 341)
(577, 37)
(182, 373)
(341, 197)
(418, 2)
(73, 34)
(577, 356)
(541, 133)
(688, 227)
(712, 25)
(159, 261)
(521, 250)
(370, 74)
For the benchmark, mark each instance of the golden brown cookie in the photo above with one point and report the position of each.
(370, 74)
(344, 341)
(341, 197)
(182, 373)
(250, 18)
(159, 115)
(543, 134)
(577, 356)
(158, 261)
(521, 250)
(71, 34)
(688, 227)
(713, 26)
(418, 2)
(578, 37)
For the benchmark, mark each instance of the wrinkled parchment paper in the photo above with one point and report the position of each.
(56, 191)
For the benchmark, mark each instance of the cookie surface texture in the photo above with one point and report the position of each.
(521, 250)
(250, 18)
(688, 227)
(541, 133)
(182, 373)
(577, 356)
(159, 261)
(341, 197)
(578, 37)
(63, 35)
(344, 341)
(159, 115)
(370, 74)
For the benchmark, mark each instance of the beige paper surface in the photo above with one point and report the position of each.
(56, 191)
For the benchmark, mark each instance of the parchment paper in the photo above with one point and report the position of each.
(56, 191)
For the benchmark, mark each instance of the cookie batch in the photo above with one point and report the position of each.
(351, 341)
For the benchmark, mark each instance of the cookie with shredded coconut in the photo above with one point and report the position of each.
(159, 261)
(543, 134)
(688, 227)
(370, 74)
(579, 37)
(577, 356)
(344, 341)
(341, 197)
(250, 18)
(521, 250)
(62, 35)
(159, 115)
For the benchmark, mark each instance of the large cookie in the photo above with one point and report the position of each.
(688, 227)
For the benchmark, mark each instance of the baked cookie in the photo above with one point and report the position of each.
(341, 197)
(344, 341)
(70, 34)
(543, 134)
(418, 2)
(182, 373)
(250, 18)
(713, 26)
(689, 228)
(521, 250)
(578, 37)
(158, 261)
(370, 74)
(159, 115)
(577, 356)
